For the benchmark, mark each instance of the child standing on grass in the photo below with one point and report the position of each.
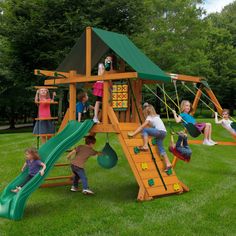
(34, 164)
(204, 128)
(44, 126)
(82, 107)
(82, 153)
(225, 122)
(158, 131)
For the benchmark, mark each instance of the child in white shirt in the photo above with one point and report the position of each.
(158, 131)
(225, 122)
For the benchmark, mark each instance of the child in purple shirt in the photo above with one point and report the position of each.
(34, 164)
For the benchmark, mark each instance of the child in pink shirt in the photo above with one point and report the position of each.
(45, 125)
(98, 86)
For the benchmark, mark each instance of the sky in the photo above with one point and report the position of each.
(215, 5)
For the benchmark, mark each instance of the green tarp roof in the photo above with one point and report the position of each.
(126, 49)
(101, 42)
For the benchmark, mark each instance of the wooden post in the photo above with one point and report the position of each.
(139, 99)
(137, 88)
(64, 121)
(133, 113)
(196, 100)
(72, 94)
(105, 102)
(88, 50)
(127, 115)
(174, 161)
(214, 100)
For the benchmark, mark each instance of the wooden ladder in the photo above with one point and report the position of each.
(144, 168)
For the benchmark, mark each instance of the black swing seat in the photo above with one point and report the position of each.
(179, 155)
(233, 125)
(192, 130)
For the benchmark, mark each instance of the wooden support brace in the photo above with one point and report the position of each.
(64, 121)
(44, 135)
(214, 100)
(196, 101)
(174, 162)
(105, 102)
(105, 128)
(186, 78)
(72, 104)
(223, 143)
(185, 187)
(59, 177)
(45, 87)
(47, 118)
(46, 102)
(143, 195)
(88, 50)
(62, 164)
(92, 78)
(49, 185)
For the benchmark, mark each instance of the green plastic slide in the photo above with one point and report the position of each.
(12, 204)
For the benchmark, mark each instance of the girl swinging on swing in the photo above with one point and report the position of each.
(204, 128)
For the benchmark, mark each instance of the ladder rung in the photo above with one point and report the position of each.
(59, 177)
(62, 164)
(46, 87)
(44, 135)
(48, 185)
(47, 118)
(46, 102)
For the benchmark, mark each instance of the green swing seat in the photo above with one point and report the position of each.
(108, 159)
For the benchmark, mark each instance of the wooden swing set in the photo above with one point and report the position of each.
(135, 70)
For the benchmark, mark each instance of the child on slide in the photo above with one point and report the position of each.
(34, 164)
(181, 146)
(81, 154)
(158, 131)
(225, 122)
(204, 128)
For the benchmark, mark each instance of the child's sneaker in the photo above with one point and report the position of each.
(95, 120)
(206, 142)
(87, 191)
(213, 142)
(74, 189)
(16, 190)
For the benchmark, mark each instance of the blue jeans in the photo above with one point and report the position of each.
(79, 174)
(182, 146)
(159, 135)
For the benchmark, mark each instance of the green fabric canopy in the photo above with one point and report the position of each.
(101, 42)
(125, 48)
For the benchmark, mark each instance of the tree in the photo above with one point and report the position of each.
(221, 51)
(39, 33)
(176, 38)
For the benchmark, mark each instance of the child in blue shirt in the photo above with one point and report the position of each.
(204, 128)
(82, 107)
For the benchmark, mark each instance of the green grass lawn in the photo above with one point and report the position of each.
(208, 209)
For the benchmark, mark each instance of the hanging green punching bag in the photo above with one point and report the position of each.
(108, 159)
